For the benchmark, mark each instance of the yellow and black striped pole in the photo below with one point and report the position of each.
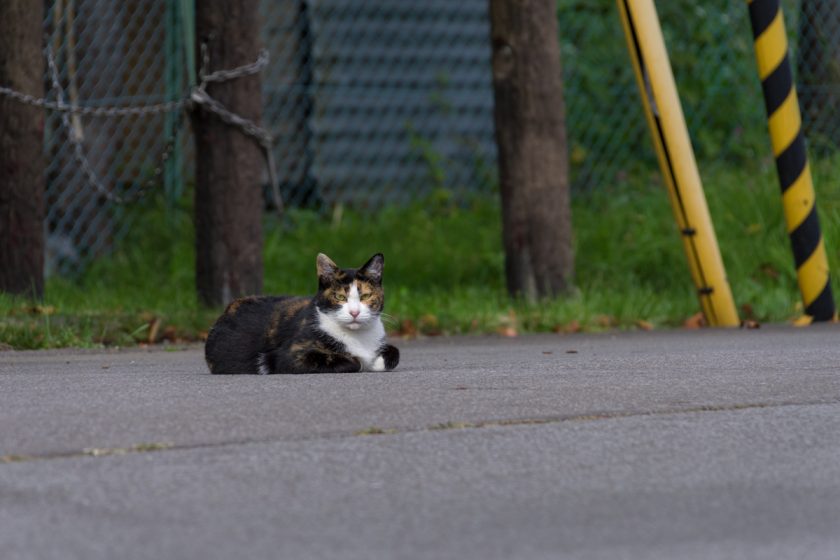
(785, 123)
(676, 159)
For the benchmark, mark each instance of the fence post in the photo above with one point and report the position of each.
(187, 11)
(174, 65)
(229, 163)
(660, 99)
(22, 243)
(785, 124)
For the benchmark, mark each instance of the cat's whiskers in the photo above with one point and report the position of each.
(388, 319)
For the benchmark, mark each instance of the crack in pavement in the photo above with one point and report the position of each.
(152, 447)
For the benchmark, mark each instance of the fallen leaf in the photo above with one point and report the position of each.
(750, 324)
(747, 311)
(147, 316)
(696, 321)
(170, 334)
(154, 326)
(42, 310)
(508, 331)
(605, 321)
(769, 271)
(803, 321)
(429, 325)
(408, 329)
(572, 326)
(429, 320)
(644, 325)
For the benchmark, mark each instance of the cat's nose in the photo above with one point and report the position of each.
(354, 313)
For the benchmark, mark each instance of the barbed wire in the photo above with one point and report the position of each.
(198, 96)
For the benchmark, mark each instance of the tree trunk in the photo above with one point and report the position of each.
(531, 138)
(228, 193)
(21, 150)
(818, 71)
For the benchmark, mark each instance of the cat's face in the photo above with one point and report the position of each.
(352, 297)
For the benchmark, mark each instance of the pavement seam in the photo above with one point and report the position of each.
(89, 452)
(374, 430)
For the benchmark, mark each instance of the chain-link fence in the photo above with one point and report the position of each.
(382, 102)
(379, 101)
(108, 54)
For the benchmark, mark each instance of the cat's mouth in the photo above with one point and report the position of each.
(355, 324)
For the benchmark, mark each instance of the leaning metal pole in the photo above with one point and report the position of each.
(661, 102)
(785, 124)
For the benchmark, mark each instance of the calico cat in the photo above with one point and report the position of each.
(338, 330)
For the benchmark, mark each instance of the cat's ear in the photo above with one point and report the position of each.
(373, 268)
(326, 267)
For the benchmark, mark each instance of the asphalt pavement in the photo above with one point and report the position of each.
(681, 444)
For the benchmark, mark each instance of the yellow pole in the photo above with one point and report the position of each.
(785, 124)
(676, 159)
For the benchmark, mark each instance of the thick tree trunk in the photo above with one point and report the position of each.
(228, 193)
(818, 72)
(21, 150)
(531, 138)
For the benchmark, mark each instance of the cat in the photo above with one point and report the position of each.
(339, 330)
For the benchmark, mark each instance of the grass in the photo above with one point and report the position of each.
(445, 266)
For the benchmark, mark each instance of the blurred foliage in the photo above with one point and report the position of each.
(444, 265)
(711, 51)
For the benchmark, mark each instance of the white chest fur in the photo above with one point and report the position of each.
(363, 343)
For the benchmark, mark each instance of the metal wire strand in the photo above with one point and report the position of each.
(197, 97)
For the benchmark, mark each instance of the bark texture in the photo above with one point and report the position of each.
(228, 194)
(21, 150)
(531, 137)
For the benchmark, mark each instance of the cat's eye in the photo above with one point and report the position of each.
(365, 297)
(341, 297)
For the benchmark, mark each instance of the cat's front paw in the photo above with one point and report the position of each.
(389, 358)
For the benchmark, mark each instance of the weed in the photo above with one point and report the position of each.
(445, 265)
